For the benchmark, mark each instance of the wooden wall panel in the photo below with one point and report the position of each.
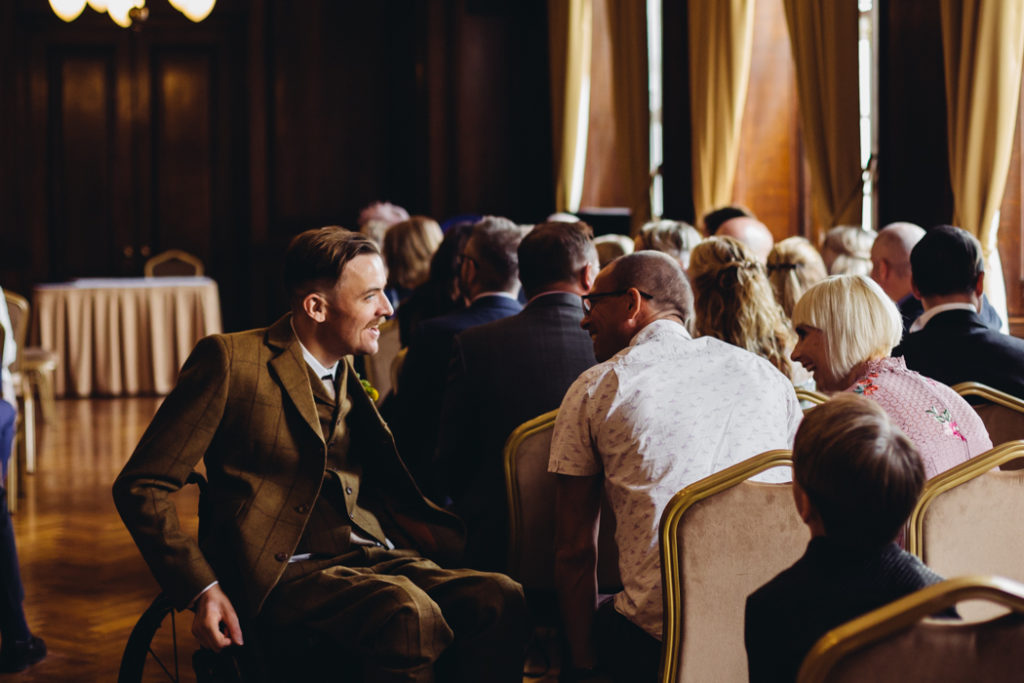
(1011, 227)
(676, 170)
(81, 131)
(184, 147)
(770, 175)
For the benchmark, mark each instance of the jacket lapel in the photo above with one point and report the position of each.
(289, 367)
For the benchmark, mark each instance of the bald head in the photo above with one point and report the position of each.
(752, 233)
(890, 258)
(659, 275)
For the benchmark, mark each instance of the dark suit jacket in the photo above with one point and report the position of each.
(415, 412)
(243, 404)
(503, 374)
(911, 309)
(957, 346)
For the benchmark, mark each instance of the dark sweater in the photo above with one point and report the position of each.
(830, 585)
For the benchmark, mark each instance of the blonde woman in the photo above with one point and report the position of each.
(675, 238)
(733, 302)
(847, 250)
(408, 247)
(847, 327)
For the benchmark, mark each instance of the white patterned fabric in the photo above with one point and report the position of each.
(662, 413)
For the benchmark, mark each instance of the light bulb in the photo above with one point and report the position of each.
(68, 10)
(196, 10)
(118, 11)
(98, 5)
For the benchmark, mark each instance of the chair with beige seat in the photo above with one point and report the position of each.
(967, 520)
(1002, 413)
(899, 642)
(33, 371)
(722, 538)
(173, 263)
(378, 365)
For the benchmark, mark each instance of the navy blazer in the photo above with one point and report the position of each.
(414, 414)
(503, 374)
(911, 309)
(958, 346)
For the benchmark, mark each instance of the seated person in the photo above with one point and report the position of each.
(659, 411)
(675, 238)
(734, 302)
(793, 266)
(612, 246)
(408, 247)
(313, 522)
(847, 250)
(847, 327)
(856, 479)
(955, 344)
(375, 219)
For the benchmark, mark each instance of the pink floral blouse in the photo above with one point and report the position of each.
(942, 425)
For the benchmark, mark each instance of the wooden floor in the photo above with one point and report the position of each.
(85, 582)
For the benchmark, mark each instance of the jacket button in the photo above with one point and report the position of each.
(281, 557)
(302, 509)
(348, 490)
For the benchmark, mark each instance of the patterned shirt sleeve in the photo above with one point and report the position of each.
(572, 445)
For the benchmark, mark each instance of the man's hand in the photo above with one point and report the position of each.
(216, 624)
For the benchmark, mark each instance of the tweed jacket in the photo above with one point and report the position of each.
(243, 405)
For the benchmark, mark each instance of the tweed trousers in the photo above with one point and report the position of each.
(405, 618)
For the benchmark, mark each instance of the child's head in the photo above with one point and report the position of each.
(859, 472)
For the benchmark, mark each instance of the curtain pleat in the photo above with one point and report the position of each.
(721, 36)
(982, 45)
(569, 39)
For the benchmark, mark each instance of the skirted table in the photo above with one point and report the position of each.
(123, 336)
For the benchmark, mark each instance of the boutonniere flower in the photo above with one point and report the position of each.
(369, 389)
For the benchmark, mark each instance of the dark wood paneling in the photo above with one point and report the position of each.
(770, 178)
(1011, 227)
(913, 164)
(184, 147)
(676, 170)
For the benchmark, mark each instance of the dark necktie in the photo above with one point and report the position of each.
(329, 385)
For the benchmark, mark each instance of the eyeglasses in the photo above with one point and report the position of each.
(589, 298)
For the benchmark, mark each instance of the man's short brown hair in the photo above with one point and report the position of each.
(316, 258)
(657, 274)
(860, 472)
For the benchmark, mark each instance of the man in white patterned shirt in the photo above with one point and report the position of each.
(660, 411)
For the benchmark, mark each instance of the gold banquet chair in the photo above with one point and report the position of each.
(967, 520)
(815, 398)
(722, 538)
(33, 371)
(899, 642)
(1002, 413)
(531, 502)
(173, 263)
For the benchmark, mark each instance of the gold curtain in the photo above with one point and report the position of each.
(982, 45)
(721, 41)
(627, 20)
(569, 38)
(823, 39)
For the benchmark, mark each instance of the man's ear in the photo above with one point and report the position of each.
(808, 513)
(979, 286)
(315, 306)
(587, 275)
(635, 303)
(914, 290)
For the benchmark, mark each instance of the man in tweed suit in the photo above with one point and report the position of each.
(310, 518)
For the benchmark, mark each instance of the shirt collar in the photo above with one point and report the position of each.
(507, 295)
(319, 368)
(923, 319)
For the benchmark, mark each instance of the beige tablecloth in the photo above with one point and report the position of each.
(123, 336)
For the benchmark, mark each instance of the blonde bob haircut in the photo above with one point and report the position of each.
(857, 318)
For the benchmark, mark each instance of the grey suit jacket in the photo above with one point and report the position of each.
(503, 374)
(243, 405)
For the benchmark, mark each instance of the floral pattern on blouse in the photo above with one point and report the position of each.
(949, 425)
(865, 386)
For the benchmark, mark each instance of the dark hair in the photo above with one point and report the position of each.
(713, 219)
(554, 252)
(492, 245)
(316, 258)
(947, 260)
(657, 274)
(860, 472)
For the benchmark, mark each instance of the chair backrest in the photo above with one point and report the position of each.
(722, 538)
(897, 642)
(396, 367)
(815, 398)
(172, 263)
(531, 500)
(1002, 413)
(967, 520)
(378, 366)
(18, 310)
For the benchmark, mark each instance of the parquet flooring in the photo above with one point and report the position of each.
(85, 582)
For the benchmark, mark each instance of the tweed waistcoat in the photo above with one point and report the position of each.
(337, 511)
